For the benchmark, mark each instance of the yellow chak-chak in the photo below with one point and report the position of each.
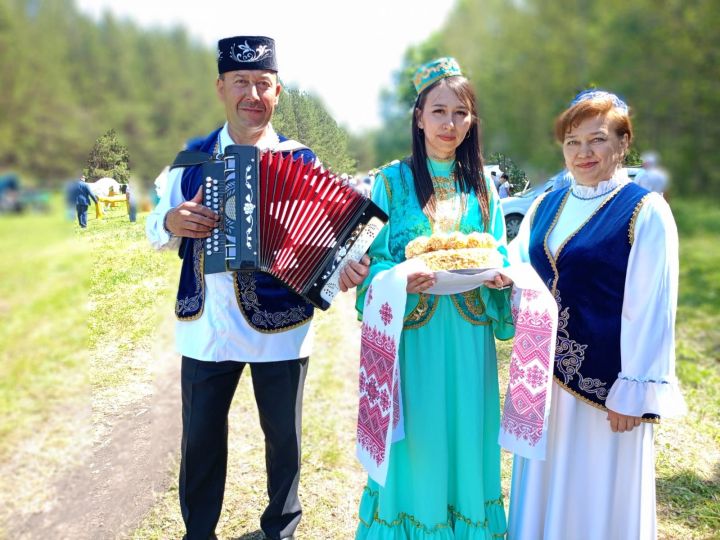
(455, 251)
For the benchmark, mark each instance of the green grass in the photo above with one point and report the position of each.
(44, 290)
(74, 304)
(688, 450)
(698, 317)
(128, 283)
(78, 310)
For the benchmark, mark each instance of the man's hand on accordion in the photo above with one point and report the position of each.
(191, 218)
(353, 273)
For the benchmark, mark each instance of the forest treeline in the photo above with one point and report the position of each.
(528, 58)
(65, 79)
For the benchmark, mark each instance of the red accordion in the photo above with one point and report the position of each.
(291, 219)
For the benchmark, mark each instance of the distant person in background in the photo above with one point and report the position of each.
(495, 179)
(562, 180)
(70, 210)
(131, 199)
(81, 195)
(504, 188)
(365, 186)
(652, 177)
(348, 179)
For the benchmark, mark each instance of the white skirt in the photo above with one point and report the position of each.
(593, 485)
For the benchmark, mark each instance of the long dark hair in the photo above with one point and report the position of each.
(468, 158)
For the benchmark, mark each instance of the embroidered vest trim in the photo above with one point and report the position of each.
(471, 307)
(265, 303)
(587, 360)
(260, 318)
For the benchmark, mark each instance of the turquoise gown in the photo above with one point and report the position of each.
(443, 480)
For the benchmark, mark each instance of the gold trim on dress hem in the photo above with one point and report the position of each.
(452, 514)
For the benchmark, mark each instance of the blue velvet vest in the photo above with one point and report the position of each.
(267, 305)
(587, 278)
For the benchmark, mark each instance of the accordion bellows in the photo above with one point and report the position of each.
(455, 251)
(294, 220)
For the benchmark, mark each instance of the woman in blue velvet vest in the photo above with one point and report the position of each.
(608, 251)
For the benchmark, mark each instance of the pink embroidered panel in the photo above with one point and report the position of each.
(377, 358)
(530, 364)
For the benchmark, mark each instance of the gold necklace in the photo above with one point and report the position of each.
(448, 213)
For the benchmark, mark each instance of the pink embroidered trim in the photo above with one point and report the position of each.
(529, 370)
(377, 358)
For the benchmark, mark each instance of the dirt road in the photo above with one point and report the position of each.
(114, 481)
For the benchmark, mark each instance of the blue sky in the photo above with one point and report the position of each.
(345, 52)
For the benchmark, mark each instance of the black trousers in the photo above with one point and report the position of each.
(207, 392)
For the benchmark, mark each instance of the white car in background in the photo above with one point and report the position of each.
(515, 207)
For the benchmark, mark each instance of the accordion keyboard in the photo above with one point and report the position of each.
(213, 197)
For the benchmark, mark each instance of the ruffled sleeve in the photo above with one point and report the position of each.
(647, 382)
(379, 252)
(497, 303)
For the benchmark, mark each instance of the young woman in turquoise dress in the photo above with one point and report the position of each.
(443, 480)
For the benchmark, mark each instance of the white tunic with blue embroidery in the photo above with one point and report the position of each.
(596, 484)
(222, 332)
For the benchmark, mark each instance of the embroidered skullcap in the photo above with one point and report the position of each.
(246, 53)
(594, 93)
(434, 71)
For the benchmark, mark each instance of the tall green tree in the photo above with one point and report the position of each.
(66, 79)
(528, 58)
(308, 121)
(108, 158)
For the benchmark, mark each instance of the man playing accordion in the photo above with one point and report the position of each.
(229, 319)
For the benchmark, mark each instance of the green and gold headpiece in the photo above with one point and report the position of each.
(434, 71)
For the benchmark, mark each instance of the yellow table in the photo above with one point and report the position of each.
(111, 200)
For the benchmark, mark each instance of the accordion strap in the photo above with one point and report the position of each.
(289, 145)
(188, 158)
